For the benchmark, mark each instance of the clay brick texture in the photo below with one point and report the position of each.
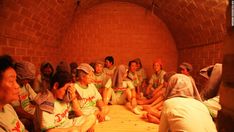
(123, 30)
(175, 31)
(32, 29)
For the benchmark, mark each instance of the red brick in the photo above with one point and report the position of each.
(29, 3)
(3, 41)
(12, 5)
(20, 51)
(27, 58)
(28, 22)
(14, 43)
(8, 50)
(26, 12)
(15, 18)
(37, 26)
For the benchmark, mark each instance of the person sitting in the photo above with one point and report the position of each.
(186, 69)
(122, 90)
(183, 109)
(9, 92)
(132, 75)
(142, 77)
(42, 80)
(25, 107)
(88, 96)
(156, 81)
(100, 77)
(109, 67)
(57, 117)
(155, 88)
(153, 111)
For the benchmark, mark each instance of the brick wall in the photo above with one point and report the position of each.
(32, 29)
(121, 29)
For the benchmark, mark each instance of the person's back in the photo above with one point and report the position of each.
(183, 109)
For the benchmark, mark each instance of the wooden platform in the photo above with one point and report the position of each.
(123, 120)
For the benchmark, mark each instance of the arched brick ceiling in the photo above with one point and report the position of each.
(192, 22)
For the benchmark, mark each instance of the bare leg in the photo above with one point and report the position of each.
(155, 112)
(88, 124)
(157, 101)
(153, 119)
(107, 95)
(129, 95)
(158, 94)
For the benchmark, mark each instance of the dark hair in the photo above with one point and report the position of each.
(62, 66)
(73, 65)
(209, 71)
(130, 62)
(110, 59)
(138, 61)
(44, 65)
(61, 77)
(6, 62)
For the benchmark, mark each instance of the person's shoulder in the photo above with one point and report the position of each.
(91, 86)
(9, 108)
(163, 72)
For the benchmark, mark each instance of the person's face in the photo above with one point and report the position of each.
(108, 64)
(133, 67)
(88, 78)
(184, 71)
(98, 68)
(157, 67)
(9, 88)
(138, 66)
(47, 71)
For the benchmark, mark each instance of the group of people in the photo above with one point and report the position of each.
(76, 97)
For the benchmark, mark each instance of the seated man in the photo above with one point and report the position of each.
(57, 119)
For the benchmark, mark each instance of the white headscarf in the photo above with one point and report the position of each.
(180, 85)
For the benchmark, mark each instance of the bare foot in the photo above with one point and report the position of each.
(128, 106)
(144, 115)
